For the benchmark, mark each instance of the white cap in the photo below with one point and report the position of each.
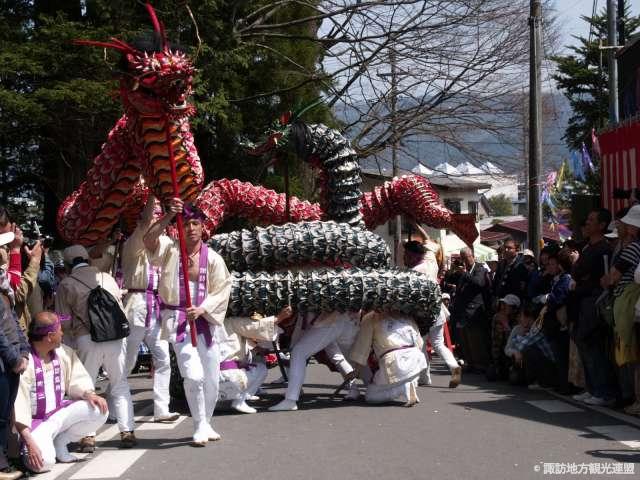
(528, 253)
(632, 217)
(73, 252)
(493, 258)
(6, 238)
(511, 299)
(612, 234)
(446, 296)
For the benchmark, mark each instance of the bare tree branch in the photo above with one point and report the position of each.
(461, 68)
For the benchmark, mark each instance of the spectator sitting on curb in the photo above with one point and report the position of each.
(503, 321)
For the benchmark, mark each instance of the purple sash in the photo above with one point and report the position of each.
(151, 294)
(202, 326)
(41, 397)
(153, 305)
(235, 364)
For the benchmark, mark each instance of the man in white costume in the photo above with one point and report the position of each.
(72, 299)
(421, 257)
(333, 332)
(45, 420)
(142, 307)
(210, 286)
(436, 337)
(397, 345)
(240, 377)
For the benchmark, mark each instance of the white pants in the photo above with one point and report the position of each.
(232, 389)
(68, 424)
(110, 355)
(436, 336)
(311, 342)
(161, 362)
(334, 352)
(200, 369)
(400, 392)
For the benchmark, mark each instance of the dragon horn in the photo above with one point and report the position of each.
(157, 26)
(121, 47)
(122, 44)
(296, 115)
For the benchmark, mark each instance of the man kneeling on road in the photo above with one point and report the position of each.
(45, 420)
(240, 378)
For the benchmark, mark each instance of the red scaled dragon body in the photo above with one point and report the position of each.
(154, 89)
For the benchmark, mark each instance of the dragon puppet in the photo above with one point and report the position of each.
(154, 133)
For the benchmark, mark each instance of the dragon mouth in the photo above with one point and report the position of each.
(148, 101)
(177, 107)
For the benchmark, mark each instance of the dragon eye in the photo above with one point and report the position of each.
(149, 81)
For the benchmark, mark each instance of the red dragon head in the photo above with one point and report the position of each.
(155, 79)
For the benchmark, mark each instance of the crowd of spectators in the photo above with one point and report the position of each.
(568, 320)
(29, 277)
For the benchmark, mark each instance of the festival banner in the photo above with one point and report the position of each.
(619, 163)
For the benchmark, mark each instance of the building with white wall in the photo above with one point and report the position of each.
(459, 194)
(499, 182)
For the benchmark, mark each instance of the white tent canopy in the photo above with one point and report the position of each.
(420, 169)
(489, 167)
(446, 169)
(469, 168)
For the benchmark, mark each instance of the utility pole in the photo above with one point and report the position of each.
(535, 126)
(393, 100)
(612, 42)
(397, 240)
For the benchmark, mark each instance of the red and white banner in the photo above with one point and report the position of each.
(620, 154)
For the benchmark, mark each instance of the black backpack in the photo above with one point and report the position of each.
(107, 321)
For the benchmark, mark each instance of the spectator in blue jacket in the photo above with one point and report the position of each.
(555, 326)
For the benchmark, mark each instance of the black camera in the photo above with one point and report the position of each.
(622, 194)
(32, 233)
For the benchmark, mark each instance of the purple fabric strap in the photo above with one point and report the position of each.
(151, 294)
(41, 397)
(119, 273)
(234, 364)
(53, 327)
(202, 326)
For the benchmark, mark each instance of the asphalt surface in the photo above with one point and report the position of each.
(480, 430)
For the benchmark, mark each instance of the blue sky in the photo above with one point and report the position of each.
(569, 12)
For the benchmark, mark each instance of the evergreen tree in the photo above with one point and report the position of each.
(58, 101)
(501, 205)
(584, 77)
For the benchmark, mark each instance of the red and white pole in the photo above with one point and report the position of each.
(184, 257)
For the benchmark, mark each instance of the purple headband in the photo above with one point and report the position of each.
(45, 329)
(191, 212)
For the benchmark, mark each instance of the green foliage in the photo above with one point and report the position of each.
(583, 75)
(585, 83)
(58, 101)
(500, 205)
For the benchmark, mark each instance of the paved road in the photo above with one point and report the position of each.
(479, 431)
